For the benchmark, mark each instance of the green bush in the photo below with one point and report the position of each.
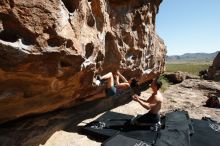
(165, 83)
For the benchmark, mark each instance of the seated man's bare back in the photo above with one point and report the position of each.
(153, 104)
(155, 101)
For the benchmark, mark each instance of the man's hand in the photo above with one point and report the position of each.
(116, 75)
(117, 72)
(135, 97)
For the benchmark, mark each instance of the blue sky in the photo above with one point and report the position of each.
(189, 26)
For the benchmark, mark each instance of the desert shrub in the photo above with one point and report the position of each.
(165, 83)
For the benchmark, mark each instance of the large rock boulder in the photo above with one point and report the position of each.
(214, 70)
(50, 50)
(179, 76)
(175, 77)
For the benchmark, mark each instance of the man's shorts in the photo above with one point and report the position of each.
(110, 91)
(149, 118)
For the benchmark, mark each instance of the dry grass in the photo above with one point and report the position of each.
(192, 67)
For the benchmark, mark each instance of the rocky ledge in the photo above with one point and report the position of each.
(50, 50)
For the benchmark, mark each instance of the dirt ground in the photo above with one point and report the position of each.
(190, 95)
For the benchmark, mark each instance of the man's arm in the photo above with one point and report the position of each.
(145, 104)
(144, 100)
(122, 77)
(125, 83)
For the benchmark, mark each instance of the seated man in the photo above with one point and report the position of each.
(153, 104)
(112, 86)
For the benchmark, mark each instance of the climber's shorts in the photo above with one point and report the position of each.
(110, 91)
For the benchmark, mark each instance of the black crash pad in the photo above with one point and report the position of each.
(122, 140)
(143, 135)
(177, 130)
(179, 120)
(107, 125)
(207, 133)
(112, 123)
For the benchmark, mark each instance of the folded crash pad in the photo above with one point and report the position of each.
(207, 133)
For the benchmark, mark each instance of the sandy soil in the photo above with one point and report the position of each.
(187, 96)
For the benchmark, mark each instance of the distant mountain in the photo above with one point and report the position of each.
(192, 57)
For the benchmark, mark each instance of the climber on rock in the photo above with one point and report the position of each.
(113, 84)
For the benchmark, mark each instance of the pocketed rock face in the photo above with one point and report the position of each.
(214, 70)
(50, 50)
